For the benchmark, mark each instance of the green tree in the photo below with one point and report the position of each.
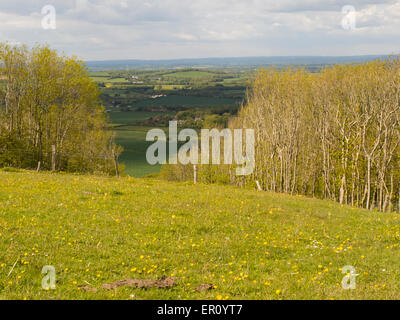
(50, 109)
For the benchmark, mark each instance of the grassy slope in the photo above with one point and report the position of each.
(249, 245)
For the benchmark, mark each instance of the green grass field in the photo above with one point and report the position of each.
(195, 75)
(247, 244)
(188, 101)
(171, 87)
(106, 79)
(133, 139)
(130, 117)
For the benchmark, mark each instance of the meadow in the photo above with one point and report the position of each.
(129, 117)
(243, 243)
(186, 101)
(194, 75)
(110, 80)
(133, 139)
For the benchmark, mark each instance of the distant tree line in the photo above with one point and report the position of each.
(50, 113)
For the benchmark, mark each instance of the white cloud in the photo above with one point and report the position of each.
(123, 29)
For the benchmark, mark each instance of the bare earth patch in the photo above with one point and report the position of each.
(163, 283)
(204, 287)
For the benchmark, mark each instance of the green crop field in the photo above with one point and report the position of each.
(105, 79)
(196, 75)
(170, 87)
(133, 139)
(98, 74)
(244, 244)
(130, 117)
(188, 101)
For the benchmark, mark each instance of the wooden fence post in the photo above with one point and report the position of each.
(115, 163)
(195, 174)
(53, 157)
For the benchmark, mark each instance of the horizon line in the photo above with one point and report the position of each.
(249, 57)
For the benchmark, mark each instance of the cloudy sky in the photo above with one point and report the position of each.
(169, 29)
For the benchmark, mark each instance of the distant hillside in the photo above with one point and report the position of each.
(245, 62)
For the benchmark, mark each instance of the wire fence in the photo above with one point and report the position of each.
(35, 160)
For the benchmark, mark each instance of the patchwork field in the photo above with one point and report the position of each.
(129, 96)
(245, 244)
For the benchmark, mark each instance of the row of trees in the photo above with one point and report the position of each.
(50, 113)
(333, 135)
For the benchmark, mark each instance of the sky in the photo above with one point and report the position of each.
(175, 29)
